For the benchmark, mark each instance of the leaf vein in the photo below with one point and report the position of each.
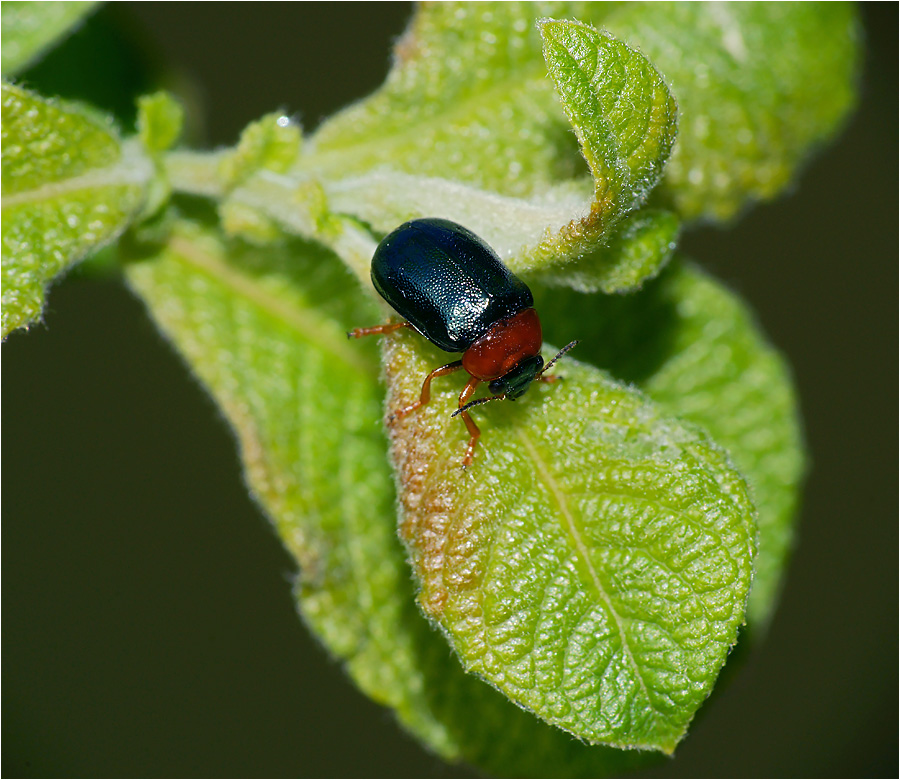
(548, 479)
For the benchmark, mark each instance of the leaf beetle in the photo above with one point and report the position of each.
(452, 288)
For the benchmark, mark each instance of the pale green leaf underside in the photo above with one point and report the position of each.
(268, 204)
(519, 230)
(68, 187)
(31, 27)
(264, 331)
(593, 564)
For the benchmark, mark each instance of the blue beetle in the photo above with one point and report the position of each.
(451, 287)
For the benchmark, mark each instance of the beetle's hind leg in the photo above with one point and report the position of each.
(471, 427)
(377, 330)
(425, 395)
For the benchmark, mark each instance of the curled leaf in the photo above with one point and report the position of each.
(625, 120)
(621, 109)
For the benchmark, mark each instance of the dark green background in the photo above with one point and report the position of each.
(148, 622)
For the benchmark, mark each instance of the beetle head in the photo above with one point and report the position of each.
(514, 383)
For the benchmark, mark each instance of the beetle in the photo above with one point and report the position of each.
(452, 288)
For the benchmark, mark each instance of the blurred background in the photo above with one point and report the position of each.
(149, 628)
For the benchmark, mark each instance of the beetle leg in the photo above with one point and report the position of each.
(377, 330)
(471, 427)
(425, 395)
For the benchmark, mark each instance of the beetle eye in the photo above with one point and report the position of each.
(514, 383)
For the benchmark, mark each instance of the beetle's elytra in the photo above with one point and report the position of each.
(451, 287)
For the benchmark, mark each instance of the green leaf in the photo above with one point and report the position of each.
(467, 100)
(694, 348)
(724, 375)
(638, 249)
(68, 187)
(29, 28)
(593, 564)
(759, 86)
(620, 107)
(264, 331)
(271, 143)
(160, 119)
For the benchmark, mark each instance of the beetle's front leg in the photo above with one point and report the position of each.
(471, 427)
(425, 395)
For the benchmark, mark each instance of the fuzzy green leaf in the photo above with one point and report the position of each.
(694, 347)
(620, 107)
(759, 86)
(271, 143)
(160, 119)
(468, 127)
(638, 249)
(264, 331)
(593, 564)
(30, 28)
(467, 100)
(68, 187)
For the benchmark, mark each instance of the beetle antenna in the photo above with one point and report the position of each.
(478, 402)
(559, 355)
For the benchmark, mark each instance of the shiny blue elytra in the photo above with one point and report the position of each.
(447, 282)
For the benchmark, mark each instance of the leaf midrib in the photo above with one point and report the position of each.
(543, 473)
(132, 168)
